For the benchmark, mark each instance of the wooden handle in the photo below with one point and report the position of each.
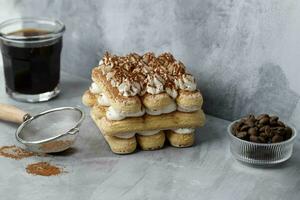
(11, 113)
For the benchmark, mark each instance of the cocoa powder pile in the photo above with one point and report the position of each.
(15, 152)
(43, 169)
(40, 168)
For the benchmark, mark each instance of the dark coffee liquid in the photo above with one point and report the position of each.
(31, 69)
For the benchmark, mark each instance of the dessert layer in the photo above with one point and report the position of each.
(157, 83)
(147, 122)
(187, 102)
(135, 74)
(152, 140)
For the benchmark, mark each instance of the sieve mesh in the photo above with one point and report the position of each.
(50, 125)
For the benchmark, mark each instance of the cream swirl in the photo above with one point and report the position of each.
(113, 114)
(183, 130)
(172, 92)
(186, 82)
(187, 108)
(129, 89)
(155, 85)
(103, 100)
(95, 89)
(125, 135)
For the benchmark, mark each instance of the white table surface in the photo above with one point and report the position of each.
(205, 171)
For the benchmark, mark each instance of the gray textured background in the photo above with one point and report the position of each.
(244, 53)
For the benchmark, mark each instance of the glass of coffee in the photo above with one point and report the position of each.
(31, 51)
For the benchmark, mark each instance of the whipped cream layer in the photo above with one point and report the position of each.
(135, 74)
(125, 135)
(113, 114)
(184, 130)
(153, 132)
(186, 82)
(187, 108)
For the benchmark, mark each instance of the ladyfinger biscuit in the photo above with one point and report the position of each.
(151, 142)
(119, 145)
(89, 99)
(158, 103)
(150, 122)
(125, 79)
(98, 111)
(130, 104)
(180, 140)
(188, 101)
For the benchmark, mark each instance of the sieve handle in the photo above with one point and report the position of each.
(12, 114)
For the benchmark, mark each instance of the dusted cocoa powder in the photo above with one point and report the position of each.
(43, 169)
(15, 152)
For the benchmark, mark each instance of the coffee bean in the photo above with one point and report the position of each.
(234, 131)
(251, 117)
(259, 125)
(264, 120)
(273, 123)
(243, 119)
(263, 129)
(277, 138)
(235, 124)
(280, 123)
(241, 135)
(275, 132)
(288, 132)
(261, 139)
(235, 128)
(274, 118)
(252, 131)
(254, 138)
(244, 128)
(259, 117)
(270, 133)
(250, 123)
(263, 134)
(281, 131)
(267, 129)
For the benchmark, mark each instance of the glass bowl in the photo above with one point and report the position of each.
(259, 153)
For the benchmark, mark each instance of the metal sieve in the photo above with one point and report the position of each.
(54, 130)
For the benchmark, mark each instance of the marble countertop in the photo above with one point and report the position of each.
(205, 171)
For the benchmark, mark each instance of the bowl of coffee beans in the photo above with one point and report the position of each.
(261, 140)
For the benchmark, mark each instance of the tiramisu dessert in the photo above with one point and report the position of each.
(144, 99)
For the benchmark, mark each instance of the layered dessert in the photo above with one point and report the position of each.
(144, 99)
